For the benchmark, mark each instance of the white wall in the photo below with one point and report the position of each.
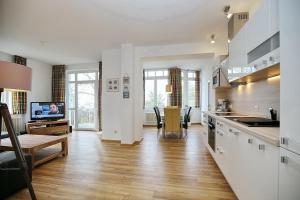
(41, 81)
(111, 110)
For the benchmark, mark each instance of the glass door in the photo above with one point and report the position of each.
(82, 99)
(86, 106)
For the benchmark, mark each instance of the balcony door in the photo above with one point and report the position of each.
(82, 99)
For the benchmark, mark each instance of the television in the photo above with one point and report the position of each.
(47, 110)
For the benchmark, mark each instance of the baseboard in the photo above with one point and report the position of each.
(148, 125)
(119, 141)
(111, 141)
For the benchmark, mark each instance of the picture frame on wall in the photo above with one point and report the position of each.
(113, 85)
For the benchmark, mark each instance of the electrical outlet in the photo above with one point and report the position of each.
(256, 108)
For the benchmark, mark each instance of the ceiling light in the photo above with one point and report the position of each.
(212, 39)
(229, 15)
(226, 11)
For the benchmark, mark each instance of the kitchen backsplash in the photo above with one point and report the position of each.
(255, 98)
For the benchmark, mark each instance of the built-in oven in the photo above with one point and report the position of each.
(212, 132)
(216, 78)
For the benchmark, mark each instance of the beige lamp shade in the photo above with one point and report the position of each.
(14, 76)
(169, 89)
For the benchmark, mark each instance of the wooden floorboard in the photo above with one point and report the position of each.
(154, 169)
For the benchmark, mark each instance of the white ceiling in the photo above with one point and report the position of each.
(188, 62)
(77, 31)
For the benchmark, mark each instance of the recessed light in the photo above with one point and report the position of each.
(212, 39)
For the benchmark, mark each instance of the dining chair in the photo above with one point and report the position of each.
(159, 123)
(172, 120)
(186, 119)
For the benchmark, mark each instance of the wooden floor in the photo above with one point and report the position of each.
(154, 169)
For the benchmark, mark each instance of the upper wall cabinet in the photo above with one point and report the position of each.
(237, 55)
(263, 24)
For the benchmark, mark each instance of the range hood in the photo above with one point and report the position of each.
(262, 74)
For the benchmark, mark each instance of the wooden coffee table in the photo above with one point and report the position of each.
(30, 144)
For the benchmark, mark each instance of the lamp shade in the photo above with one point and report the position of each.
(169, 88)
(14, 76)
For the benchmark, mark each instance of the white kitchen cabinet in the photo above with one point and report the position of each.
(274, 17)
(258, 26)
(289, 175)
(263, 24)
(289, 75)
(262, 168)
(249, 164)
(237, 55)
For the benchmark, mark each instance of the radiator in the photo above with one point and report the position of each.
(18, 122)
(150, 119)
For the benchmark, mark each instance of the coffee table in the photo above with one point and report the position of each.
(31, 144)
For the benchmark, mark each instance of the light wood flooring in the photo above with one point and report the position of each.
(154, 169)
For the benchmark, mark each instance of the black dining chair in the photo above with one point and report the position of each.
(186, 119)
(159, 123)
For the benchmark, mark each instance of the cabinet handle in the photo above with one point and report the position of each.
(250, 141)
(236, 133)
(284, 159)
(264, 62)
(261, 147)
(284, 140)
(230, 130)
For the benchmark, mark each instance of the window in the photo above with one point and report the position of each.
(155, 88)
(188, 88)
(6, 97)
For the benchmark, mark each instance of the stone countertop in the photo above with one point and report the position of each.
(268, 134)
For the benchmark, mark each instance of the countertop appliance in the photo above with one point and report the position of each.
(212, 132)
(223, 105)
(219, 79)
(255, 121)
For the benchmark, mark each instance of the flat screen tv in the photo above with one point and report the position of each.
(47, 110)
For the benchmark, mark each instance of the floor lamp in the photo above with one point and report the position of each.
(15, 77)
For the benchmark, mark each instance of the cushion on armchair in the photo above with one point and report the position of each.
(12, 180)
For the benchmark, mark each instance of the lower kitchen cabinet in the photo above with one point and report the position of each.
(249, 164)
(289, 175)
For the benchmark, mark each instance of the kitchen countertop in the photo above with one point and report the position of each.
(268, 134)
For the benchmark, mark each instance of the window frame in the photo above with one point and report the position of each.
(155, 78)
(185, 84)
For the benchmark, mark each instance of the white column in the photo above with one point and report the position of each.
(127, 104)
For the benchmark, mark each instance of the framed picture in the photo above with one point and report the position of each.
(113, 85)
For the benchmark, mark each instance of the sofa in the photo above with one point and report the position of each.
(12, 180)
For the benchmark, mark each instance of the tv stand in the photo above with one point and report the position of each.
(48, 127)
